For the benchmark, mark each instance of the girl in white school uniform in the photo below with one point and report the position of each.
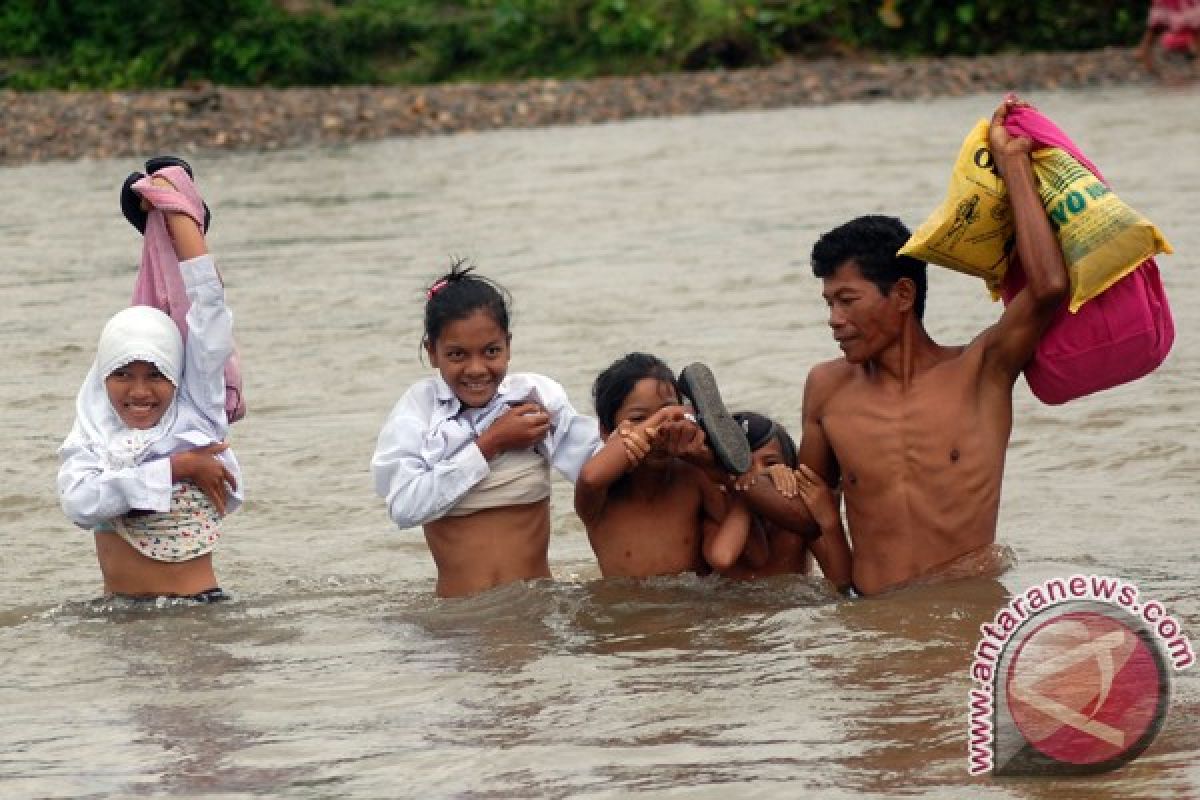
(466, 453)
(145, 466)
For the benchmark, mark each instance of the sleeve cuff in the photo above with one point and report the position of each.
(156, 478)
(199, 271)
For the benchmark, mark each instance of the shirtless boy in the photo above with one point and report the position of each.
(646, 509)
(914, 431)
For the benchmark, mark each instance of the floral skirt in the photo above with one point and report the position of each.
(189, 530)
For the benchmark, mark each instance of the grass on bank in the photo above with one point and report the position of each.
(124, 44)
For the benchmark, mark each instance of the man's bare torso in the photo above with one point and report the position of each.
(920, 466)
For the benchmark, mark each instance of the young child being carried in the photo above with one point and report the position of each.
(467, 453)
(647, 499)
(755, 547)
(146, 466)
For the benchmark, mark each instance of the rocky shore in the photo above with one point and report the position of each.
(44, 126)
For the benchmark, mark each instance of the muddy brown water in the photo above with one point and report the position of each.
(335, 673)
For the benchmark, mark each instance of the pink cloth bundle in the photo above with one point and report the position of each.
(1174, 16)
(1118, 336)
(159, 282)
(1178, 21)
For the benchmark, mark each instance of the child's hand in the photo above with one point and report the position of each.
(685, 439)
(743, 482)
(519, 428)
(784, 479)
(201, 467)
(640, 438)
(637, 442)
(157, 181)
(663, 416)
(818, 498)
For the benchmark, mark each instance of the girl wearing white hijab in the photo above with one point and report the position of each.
(146, 466)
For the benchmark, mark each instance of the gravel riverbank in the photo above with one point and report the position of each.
(45, 126)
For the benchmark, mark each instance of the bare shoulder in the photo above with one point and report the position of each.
(825, 379)
(973, 355)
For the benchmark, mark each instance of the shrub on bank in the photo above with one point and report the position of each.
(164, 43)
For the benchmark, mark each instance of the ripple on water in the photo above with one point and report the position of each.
(336, 673)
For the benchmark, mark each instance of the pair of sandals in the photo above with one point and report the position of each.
(131, 202)
(724, 435)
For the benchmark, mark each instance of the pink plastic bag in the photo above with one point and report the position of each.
(159, 282)
(1116, 337)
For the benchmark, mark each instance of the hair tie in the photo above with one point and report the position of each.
(437, 287)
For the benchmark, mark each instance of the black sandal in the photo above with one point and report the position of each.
(131, 202)
(725, 436)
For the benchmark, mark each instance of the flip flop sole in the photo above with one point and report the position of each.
(162, 162)
(131, 203)
(725, 436)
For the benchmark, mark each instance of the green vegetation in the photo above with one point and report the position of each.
(116, 44)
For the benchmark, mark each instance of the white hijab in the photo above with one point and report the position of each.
(138, 333)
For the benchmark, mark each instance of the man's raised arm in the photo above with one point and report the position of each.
(1011, 342)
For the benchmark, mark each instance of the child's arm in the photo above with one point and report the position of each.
(726, 540)
(416, 491)
(831, 549)
(209, 321)
(731, 532)
(623, 452)
(419, 490)
(203, 468)
(90, 492)
(600, 472)
(519, 428)
(185, 233)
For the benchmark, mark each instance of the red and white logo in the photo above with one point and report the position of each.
(1081, 688)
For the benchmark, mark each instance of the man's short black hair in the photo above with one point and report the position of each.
(871, 242)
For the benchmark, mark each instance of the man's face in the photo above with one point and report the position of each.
(864, 321)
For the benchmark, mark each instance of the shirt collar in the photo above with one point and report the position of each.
(444, 394)
(449, 400)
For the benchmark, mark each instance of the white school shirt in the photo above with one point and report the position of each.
(91, 492)
(426, 458)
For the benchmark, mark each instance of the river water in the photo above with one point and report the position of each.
(335, 673)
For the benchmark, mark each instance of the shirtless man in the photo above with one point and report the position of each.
(914, 431)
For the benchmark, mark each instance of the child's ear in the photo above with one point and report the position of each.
(429, 351)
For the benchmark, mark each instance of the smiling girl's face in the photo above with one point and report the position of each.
(472, 354)
(139, 393)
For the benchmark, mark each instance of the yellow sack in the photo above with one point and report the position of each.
(972, 230)
(1102, 239)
